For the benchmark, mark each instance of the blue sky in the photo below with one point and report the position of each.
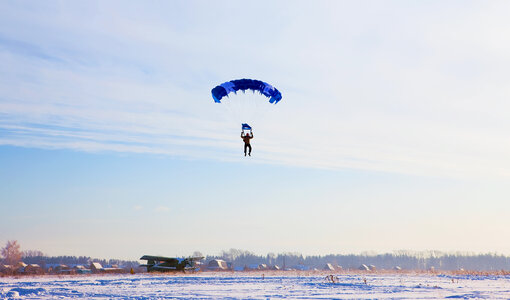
(392, 134)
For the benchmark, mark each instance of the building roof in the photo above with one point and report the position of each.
(329, 267)
(96, 265)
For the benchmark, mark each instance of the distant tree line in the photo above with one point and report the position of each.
(404, 259)
(42, 260)
(11, 254)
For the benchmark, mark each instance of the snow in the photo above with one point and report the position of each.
(255, 286)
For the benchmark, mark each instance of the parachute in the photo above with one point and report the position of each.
(263, 88)
(245, 108)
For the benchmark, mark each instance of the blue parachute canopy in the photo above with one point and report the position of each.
(265, 89)
(246, 126)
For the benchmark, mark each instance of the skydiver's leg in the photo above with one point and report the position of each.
(249, 147)
(245, 146)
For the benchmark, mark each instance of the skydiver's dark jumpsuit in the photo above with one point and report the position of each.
(246, 138)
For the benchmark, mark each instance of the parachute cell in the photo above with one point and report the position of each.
(228, 87)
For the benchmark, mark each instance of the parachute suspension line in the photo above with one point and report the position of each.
(246, 107)
(228, 106)
(233, 109)
(262, 109)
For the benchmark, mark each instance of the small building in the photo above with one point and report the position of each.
(33, 269)
(364, 267)
(328, 267)
(113, 269)
(96, 267)
(48, 268)
(80, 269)
(372, 267)
(217, 265)
(62, 269)
(20, 267)
(275, 268)
(6, 269)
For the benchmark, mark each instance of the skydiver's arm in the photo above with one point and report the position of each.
(242, 134)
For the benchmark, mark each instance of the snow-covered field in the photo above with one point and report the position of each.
(242, 286)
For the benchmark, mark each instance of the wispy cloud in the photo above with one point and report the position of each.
(424, 93)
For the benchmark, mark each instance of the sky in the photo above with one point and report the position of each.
(393, 131)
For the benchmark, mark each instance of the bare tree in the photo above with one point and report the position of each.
(33, 253)
(197, 254)
(11, 252)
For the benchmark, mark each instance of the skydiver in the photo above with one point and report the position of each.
(246, 138)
